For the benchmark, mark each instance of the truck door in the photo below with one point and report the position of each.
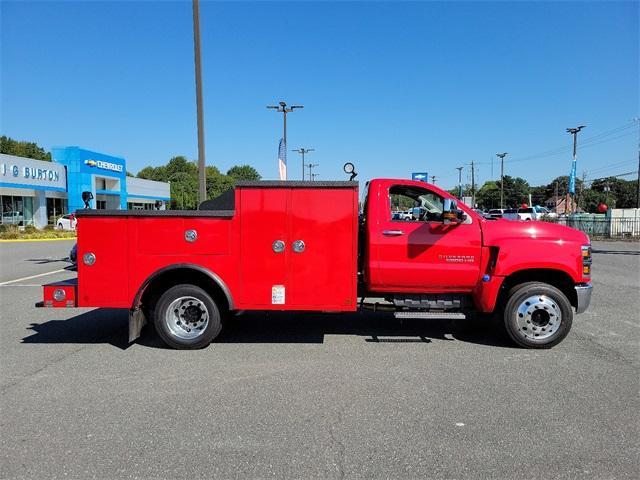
(420, 253)
(323, 248)
(263, 264)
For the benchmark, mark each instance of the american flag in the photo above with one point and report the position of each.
(282, 159)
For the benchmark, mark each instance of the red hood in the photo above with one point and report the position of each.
(497, 231)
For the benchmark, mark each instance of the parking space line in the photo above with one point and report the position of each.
(32, 276)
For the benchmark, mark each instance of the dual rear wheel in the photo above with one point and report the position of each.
(186, 317)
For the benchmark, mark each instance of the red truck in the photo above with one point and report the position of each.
(304, 246)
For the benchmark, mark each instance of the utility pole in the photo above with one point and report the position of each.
(202, 178)
(572, 178)
(313, 176)
(502, 155)
(282, 108)
(581, 196)
(433, 179)
(473, 186)
(303, 152)
(310, 166)
(637, 120)
(459, 182)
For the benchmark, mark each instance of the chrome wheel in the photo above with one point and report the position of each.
(538, 317)
(187, 317)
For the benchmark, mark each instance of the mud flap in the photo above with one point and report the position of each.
(137, 320)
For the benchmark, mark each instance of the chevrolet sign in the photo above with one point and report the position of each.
(114, 167)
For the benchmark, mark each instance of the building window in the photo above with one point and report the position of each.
(56, 207)
(17, 210)
(101, 204)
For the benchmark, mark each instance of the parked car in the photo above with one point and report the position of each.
(510, 214)
(67, 222)
(12, 217)
(496, 212)
(535, 213)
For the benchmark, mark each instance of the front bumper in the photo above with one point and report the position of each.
(583, 294)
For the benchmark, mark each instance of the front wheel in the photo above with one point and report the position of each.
(186, 317)
(537, 315)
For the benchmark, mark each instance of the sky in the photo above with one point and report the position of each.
(393, 87)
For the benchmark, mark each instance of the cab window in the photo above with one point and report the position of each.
(411, 204)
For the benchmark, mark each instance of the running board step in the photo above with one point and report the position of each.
(445, 315)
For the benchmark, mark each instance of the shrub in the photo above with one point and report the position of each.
(49, 227)
(30, 229)
(10, 232)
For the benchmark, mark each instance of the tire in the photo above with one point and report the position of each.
(60, 227)
(186, 317)
(537, 315)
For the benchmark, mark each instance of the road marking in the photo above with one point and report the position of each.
(14, 240)
(22, 285)
(33, 276)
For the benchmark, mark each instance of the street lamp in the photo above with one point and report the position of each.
(501, 156)
(282, 108)
(302, 152)
(202, 179)
(459, 181)
(310, 166)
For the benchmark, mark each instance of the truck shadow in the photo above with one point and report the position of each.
(111, 326)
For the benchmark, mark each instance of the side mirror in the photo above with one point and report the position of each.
(451, 213)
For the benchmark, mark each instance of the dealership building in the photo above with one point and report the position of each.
(36, 192)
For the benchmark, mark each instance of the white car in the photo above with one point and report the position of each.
(534, 213)
(510, 214)
(67, 222)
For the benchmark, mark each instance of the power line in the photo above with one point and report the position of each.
(593, 140)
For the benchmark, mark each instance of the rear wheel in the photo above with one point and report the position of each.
(60, 226)
(537, 315)
(186, 317)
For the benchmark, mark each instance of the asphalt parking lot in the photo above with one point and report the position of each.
(311, 396)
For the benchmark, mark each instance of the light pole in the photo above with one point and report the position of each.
(459, 181)
(501, 156)
(433, 179)
(572, 178)
(310, 166)
(303, 152)
(202, 179)
(637, 120)
(282, 108)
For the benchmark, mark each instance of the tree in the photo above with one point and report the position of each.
(183, 176)
(619, 193)
(592, 198)
(9, 146)
(488, 195)
(217, 183)
(516, 192)
(244, 172)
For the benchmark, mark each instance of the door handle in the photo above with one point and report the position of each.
(392, 233)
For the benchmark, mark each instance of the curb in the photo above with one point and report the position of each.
(16, 240)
